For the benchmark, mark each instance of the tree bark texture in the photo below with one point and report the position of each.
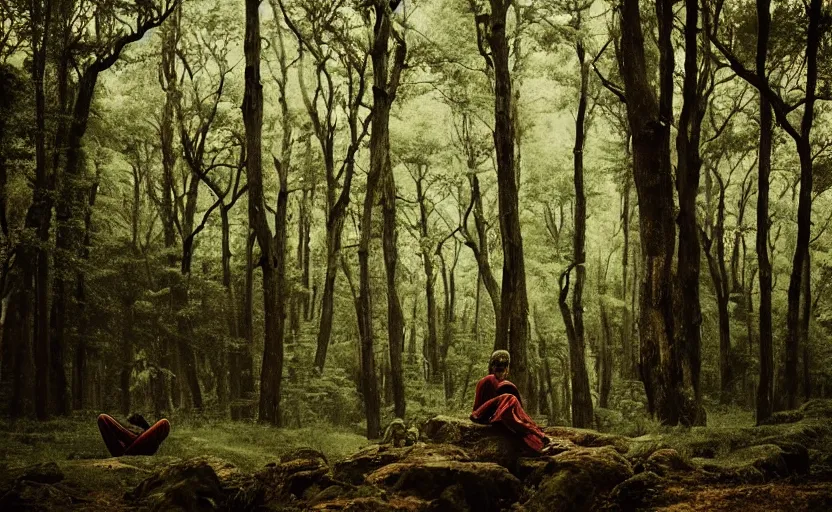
(650, 121)
(765, 388)
(514, 325)
(271, 369)
(687, 186)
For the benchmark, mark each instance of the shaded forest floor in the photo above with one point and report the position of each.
(221, 465)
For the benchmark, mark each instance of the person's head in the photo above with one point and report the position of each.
(498, 365)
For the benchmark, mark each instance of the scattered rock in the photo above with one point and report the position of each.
(637, 491)
(45, 473)
(589, 438)
(666, 460)
(32, 496)
(296, 478)
(303, 453)
(781, 417)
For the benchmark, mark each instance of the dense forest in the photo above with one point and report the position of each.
(303, 212)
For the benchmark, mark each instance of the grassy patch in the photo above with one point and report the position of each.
(247, 445)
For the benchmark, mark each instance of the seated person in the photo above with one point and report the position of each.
(498, 401)
(121, 441)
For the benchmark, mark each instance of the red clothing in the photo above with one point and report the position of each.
(499, 402)
(121, 441)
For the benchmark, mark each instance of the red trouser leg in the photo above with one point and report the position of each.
(150, 440)
(510, 413)
(116, 437)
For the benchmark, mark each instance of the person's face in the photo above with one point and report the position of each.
(501, 372)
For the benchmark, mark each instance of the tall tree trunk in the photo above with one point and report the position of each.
(605, 379)
(480, 246)
(166, 385)
(546, 370)
(720, 278)
(514, 325)
(765, 389)
(67, 238)
(581, 397)
(627, 369)
(650, 121)
(35, 258)
(687, 186)
(582, 415)
(804, 208)
(384, 92)
(432, 340)
(337, 207)
(449, 318)
(795, 329)
(245, 409)
(805, 318)
(395, 317)
(272, 370)
(253, 119)
(228, 383)
(79, 364)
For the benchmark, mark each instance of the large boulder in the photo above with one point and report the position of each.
(298, 476)
(753, 464)
(576, 479)
(200, 484)
(484, 443)
(454, 485)
(353, 469)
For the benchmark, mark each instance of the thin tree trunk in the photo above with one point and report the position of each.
(411, 343)
(765, 389)
(272, 369)
(432, 340)
(721, 280)
(395, 317)
(805, 318)
(627, 370)
(687, 184)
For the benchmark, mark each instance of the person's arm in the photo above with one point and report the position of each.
(509, 388)
(485, 391)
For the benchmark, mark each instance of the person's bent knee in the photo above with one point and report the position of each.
(163, 426)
